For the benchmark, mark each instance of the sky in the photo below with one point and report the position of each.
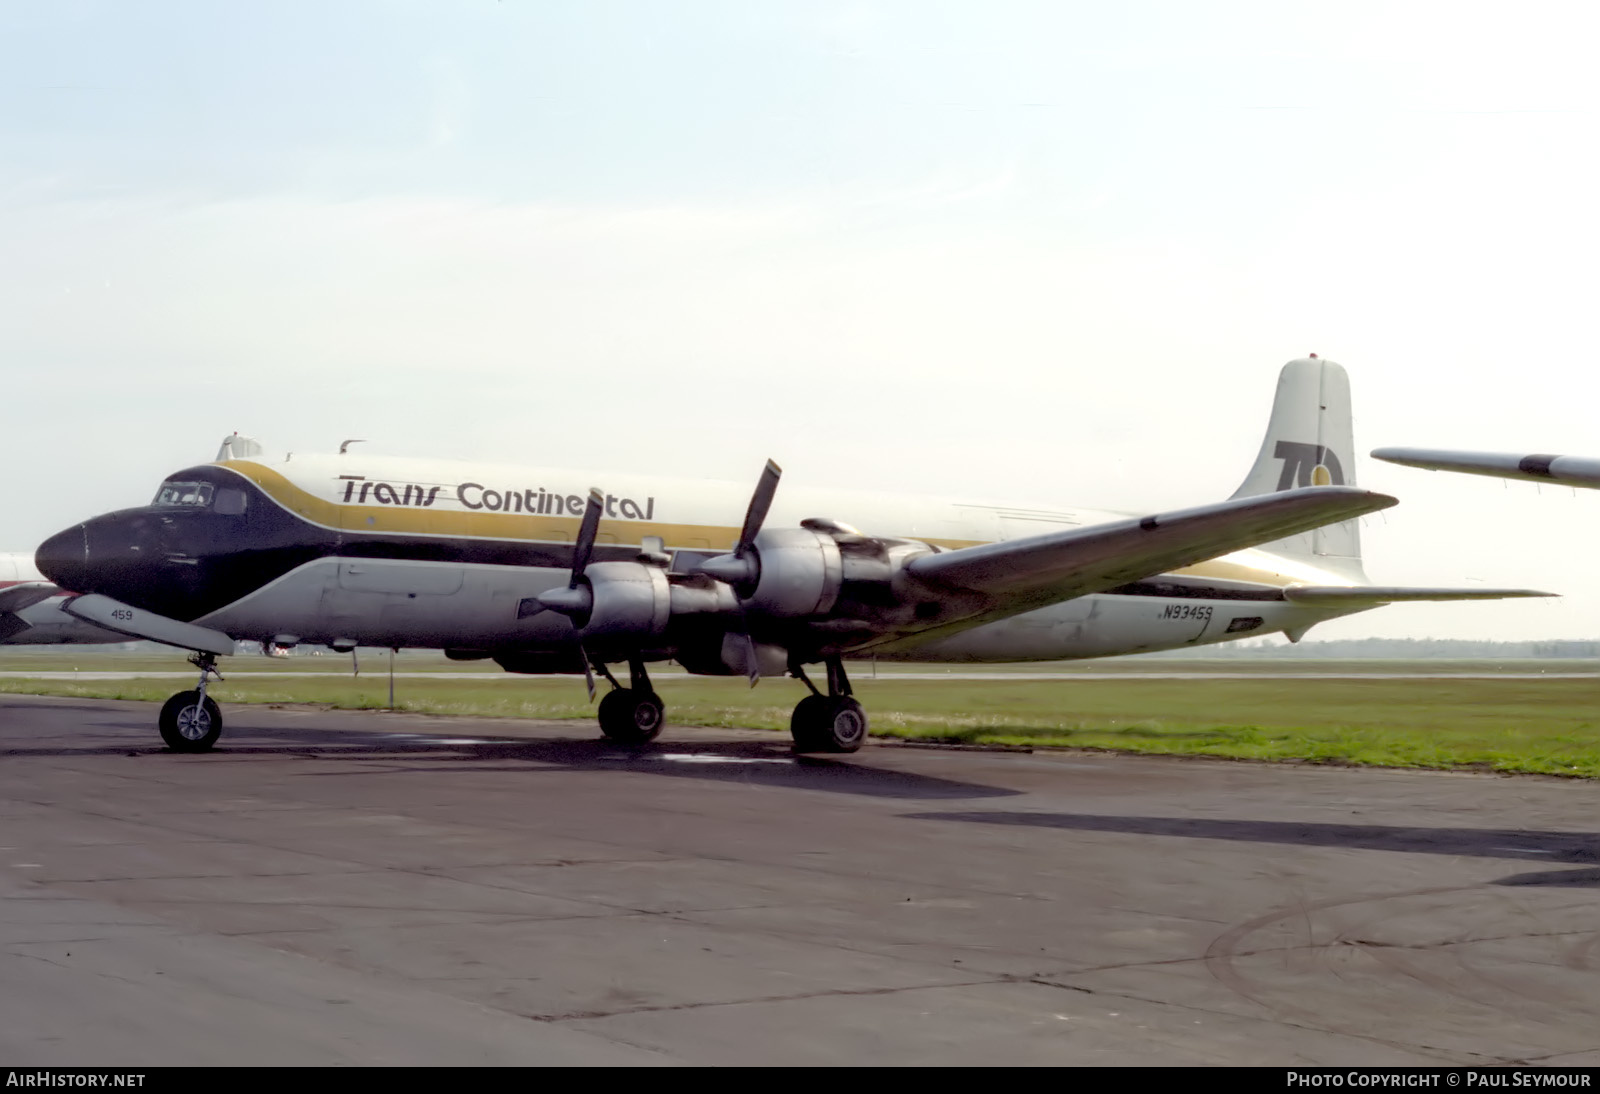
(1046, 252)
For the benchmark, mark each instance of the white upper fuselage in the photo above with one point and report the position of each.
(362, 494)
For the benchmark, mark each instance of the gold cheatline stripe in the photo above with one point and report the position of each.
(407, 520)
(1236, 571)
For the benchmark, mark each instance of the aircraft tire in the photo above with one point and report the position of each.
(828, 724)
(806, 724)
(630, 718)
(185, 729)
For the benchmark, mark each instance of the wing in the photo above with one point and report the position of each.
(25, 594)
(15, 598)
(1572, 470)
(1019, 575)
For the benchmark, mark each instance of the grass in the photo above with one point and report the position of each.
(1549, 726)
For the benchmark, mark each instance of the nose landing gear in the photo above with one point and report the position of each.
(834, 722)
(191, 721)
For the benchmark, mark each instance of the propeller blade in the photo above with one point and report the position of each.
(588, 671)
(751, 669)
(760, 502)
(583, 548)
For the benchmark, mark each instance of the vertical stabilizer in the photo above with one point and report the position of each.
(1310, 442)
(235, 447)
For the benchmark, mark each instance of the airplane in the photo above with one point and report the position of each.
(30, 609)
(1581, 471)
(541, 572)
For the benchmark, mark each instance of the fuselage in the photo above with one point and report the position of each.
(439, 554)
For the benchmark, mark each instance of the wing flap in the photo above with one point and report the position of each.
(1394, 594)
(1022, 574)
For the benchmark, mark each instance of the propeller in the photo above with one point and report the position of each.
(576, 601)
(742, 569)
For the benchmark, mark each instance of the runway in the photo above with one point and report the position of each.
(356, 888)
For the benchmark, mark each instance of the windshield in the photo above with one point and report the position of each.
(194, 494)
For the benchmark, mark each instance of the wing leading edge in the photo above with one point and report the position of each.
(1571, 470)
(1019, 575)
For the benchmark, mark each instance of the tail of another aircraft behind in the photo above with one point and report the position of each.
(1310, 442)
(235, 447)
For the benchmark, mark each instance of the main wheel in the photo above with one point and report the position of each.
(631, 717)
(188, 725)
(824, 724)
(807, 724)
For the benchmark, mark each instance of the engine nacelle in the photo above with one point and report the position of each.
(800, 574)
(629, 599)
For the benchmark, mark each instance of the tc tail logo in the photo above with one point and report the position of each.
(1308, 465)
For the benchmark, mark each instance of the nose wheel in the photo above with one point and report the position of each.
(834, 722)
(190, 721)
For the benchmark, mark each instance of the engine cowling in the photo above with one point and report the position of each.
(788, 573)
(626, 599)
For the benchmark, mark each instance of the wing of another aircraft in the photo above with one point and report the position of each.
(25, 594)
(1020, 575)
(1571, 470)
(15, 598)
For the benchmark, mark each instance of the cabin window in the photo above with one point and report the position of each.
(230, 501)
(195, 495)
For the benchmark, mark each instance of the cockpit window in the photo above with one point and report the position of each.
(230, 501)
(195, 495)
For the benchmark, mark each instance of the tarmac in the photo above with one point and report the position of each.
(356, 888)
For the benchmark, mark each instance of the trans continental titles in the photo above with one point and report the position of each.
(360, 490)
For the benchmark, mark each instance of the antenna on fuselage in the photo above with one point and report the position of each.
(348, 443)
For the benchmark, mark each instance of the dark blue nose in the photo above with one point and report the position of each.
(63, 557)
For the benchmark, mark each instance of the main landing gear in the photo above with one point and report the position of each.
(631, 715)
(834, 722)
(190, 720)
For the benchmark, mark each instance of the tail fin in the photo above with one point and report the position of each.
(235, 447)
(1310, 442)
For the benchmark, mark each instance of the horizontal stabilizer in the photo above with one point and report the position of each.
(26, 595)
(1571, 470)
(1018, 575)
(1345, 595)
